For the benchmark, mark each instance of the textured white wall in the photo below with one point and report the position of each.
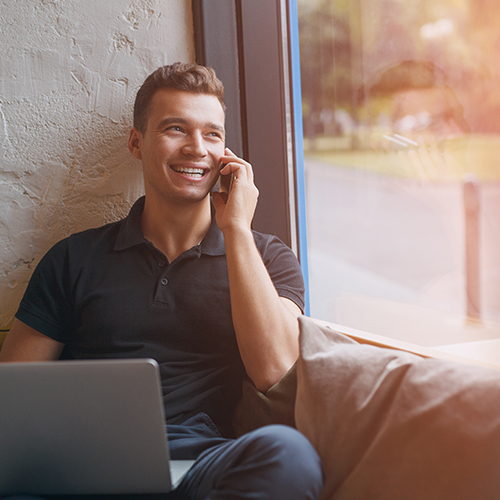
(69, 71)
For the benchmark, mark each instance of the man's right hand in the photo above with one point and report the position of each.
(236, 210)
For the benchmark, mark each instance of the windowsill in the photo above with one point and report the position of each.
(485, 353)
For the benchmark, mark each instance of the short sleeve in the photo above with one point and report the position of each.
(283, 268)
(46, 305)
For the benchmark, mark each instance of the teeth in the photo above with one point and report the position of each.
(194, 172)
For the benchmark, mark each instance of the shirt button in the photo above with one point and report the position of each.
(161, 263)
(164, 281)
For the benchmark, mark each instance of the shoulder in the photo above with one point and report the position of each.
(271, 247)
(104, 235)
(80, 245)
(278, 258)
(282, 266)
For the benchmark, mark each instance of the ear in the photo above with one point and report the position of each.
(135, 142)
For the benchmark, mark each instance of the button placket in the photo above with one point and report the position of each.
(161, 293)
(162, 290)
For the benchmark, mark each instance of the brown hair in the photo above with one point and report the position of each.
(182, 76)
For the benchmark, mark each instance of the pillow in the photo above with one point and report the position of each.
(391, 425)
(276, 406)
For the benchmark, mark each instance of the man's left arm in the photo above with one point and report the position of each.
(266, 324)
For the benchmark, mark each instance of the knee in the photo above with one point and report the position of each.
(282, 438)
(296, 464)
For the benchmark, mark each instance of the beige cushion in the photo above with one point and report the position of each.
(391, 425)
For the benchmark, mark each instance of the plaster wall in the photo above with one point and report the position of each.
(69, 72)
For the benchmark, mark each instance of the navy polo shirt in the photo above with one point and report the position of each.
(109, 293)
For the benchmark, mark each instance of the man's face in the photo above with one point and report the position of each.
(182, 146)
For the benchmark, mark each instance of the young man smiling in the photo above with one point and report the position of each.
(184, 280)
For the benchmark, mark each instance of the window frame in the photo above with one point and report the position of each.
(254, 48)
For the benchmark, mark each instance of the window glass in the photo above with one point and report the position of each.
(401, 110)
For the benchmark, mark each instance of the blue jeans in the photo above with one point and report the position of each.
(273, 462)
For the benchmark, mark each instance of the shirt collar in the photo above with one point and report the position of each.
(213, 242)
(130, 233)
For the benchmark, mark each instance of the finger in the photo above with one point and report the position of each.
(233, 164)
(240, 173)
(229, 156)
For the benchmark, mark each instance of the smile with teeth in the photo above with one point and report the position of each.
(196, 173)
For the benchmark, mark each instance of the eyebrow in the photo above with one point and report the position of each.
(173, 120)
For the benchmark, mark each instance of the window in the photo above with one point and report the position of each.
(399, 100)
(401, 110)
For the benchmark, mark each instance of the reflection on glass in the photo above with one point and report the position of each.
(401, 105)
(412, 110)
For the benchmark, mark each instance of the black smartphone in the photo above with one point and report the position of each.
(225, 181)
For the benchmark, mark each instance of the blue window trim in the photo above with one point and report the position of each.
(296, 92)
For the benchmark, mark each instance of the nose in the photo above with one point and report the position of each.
(195, 145)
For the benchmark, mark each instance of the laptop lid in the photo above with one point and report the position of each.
(83, 427)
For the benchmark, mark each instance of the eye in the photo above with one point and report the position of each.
(217, 135)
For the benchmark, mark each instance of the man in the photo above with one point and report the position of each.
(186, 282)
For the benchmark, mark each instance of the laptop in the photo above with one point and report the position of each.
(84, 428)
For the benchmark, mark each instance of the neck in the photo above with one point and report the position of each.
(173, 230)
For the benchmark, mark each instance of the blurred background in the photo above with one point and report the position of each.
(401, 107)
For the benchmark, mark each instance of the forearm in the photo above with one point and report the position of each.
(266, 329)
